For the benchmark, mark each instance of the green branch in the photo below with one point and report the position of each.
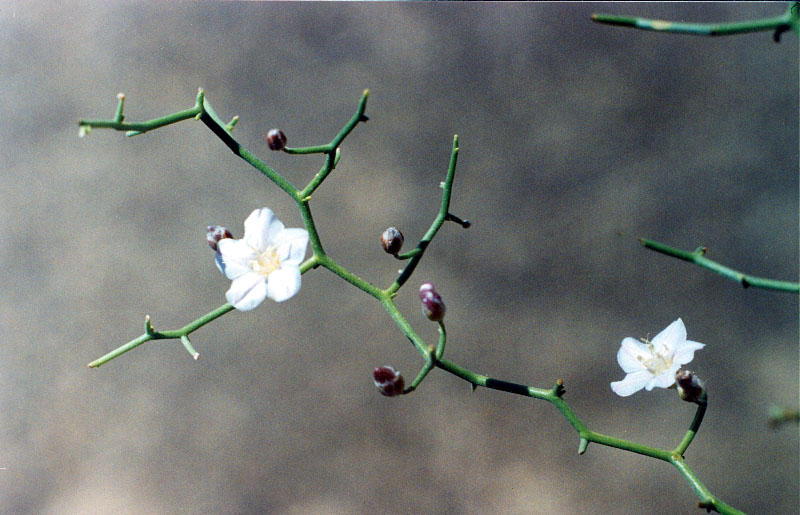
(444, 215)
(698, 258)
(151, 334)
(433, 356)
(780, 24)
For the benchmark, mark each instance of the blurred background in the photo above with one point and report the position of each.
(576, 139)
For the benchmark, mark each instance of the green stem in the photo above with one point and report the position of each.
(694, 427)
(554, 396)
(333, 157)
(405, 327)
(707, 499)
(787, 21)
(150, 334)
(697, 257)
(417, 253)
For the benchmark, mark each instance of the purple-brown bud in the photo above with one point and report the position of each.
(214, 233)
(432, 304)
(392, 240)
(388, 381)
(689, 386)
(276, 139)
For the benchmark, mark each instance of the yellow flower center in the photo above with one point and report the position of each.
(267, 262)
(656, 363)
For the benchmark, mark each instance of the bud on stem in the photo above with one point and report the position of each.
(432, 304)
(689, 386)
(388, 381)
(276, 139)
(214, 233)
(392, 240)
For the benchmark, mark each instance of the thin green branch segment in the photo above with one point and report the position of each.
(442, 217)
(698, 258)
(139, 128)
(783, 23)
(555, 397)
(151, 334)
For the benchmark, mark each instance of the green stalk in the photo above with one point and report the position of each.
(697, 257)
(783, 23)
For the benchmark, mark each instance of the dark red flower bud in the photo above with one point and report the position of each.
(214, 233)
(388, 381)
(432, 304)
(392, 240)
(276, 139)
(690, 387)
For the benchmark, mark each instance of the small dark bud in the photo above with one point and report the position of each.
(432, 304)
(388, 381)
(392, 241)
(276, 139)
(689, 386)
(214, 233)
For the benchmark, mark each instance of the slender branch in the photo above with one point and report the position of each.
(697, 257)
(140, 128)
(780, 24)
(332, 159)
(554, 396)
(151, 334)
(690, 434)
(416, 254)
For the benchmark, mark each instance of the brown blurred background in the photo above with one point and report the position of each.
(576, 139)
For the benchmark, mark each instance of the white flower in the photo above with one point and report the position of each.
(265, 263)
(654, 363)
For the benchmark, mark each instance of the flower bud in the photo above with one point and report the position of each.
(388, 381)
(432, 304)
(392, 240)
(214, 233)
(276, 139)
(689, 386)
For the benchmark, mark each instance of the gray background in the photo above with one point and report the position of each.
(576, 138)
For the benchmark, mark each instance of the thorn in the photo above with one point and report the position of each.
(778, 31)
(558, 390)
(463, 223)
(583, 445)
(474, 386)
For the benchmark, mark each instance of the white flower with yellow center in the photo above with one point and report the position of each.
(651, 364)
(265, 263)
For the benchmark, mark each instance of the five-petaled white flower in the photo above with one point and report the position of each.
(265, 263)
(654, 363)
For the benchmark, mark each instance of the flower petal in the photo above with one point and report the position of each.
(236, 257)
(685, 352)
(261, 228)
(663, 380)
(671, 337)
(283, 283)
(631, 384)
(629, 353)
(292, 245)
(247, 291)
(220, 263)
